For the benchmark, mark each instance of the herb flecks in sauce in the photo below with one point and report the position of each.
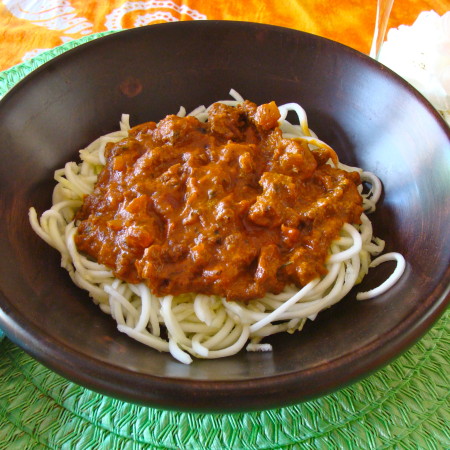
(228, 207)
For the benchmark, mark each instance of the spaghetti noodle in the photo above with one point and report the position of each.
(208, 326)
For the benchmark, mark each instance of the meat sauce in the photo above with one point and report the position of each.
(228, 207)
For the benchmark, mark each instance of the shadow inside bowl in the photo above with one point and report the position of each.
(373, 120)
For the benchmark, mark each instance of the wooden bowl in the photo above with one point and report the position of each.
(368, 114)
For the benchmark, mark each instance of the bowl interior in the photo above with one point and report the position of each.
(371, 118)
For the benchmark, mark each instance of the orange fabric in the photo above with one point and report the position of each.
(30, 26)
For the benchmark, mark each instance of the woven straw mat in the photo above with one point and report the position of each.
(404, 405)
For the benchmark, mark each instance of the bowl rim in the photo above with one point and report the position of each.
(217, 395)
(167, 392)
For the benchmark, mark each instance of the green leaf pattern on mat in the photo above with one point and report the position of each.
(405, 405)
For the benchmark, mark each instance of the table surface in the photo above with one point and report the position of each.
(30, 26)
(406, 404)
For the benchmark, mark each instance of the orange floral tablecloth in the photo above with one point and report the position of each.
(28, 27)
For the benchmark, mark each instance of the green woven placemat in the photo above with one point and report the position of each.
(405, 405)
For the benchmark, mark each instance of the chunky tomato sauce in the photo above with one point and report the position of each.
(228, 207)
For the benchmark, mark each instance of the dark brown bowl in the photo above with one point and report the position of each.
(371, 117)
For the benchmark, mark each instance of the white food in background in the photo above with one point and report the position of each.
(420, 53)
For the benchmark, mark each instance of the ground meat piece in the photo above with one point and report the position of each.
(228, 207)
